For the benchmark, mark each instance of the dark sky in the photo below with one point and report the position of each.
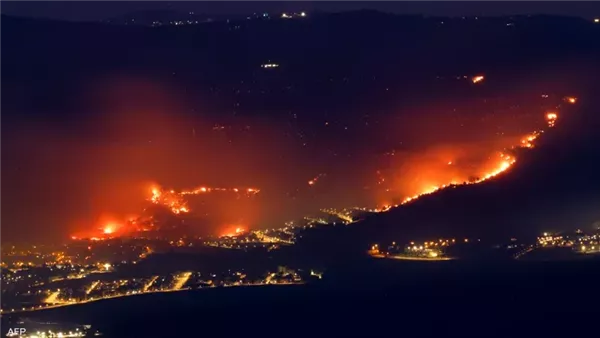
(96, 10)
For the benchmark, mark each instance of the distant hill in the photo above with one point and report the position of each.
(165, 17)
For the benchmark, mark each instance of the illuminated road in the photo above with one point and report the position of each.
(92, 287)
(137, 293)
(181, 280)
(339, 215)
(149, 284)
(409, 258)
(524, 252)
(53, 298)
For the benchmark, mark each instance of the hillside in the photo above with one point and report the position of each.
(553, 187)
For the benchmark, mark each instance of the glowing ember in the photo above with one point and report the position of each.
(571, 99)
(551, 118)
(109, 229)
(527, 141)
(315, 179)
(477, 79)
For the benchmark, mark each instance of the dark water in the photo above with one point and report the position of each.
(377, 298)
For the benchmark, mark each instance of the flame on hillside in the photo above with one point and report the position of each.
(502, 162)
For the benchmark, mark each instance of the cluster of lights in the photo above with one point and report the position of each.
(344, 215)
(289, 16)
(589, 244)
(431, 253)
(428, 249)
(553, 240)
(582, 243)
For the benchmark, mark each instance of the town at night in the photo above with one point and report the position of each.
(300, 168)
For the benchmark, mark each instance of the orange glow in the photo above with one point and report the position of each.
(571, 99)
(314, 180)
(171, 199)
(445, 169)
(501, 163)
(233, 231)
(477, 79)
(551, 118)
(527, 141)
(178, 205)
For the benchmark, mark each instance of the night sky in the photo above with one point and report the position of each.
(88, 10)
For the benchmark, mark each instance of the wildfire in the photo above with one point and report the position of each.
(571, 99)
(176, 202)
(527, 141)
(551, 119)
(477, 79)
(505, 161)
(315, 179)
(109, 229)
(170, 199)
(234, 232)
(203, 190)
